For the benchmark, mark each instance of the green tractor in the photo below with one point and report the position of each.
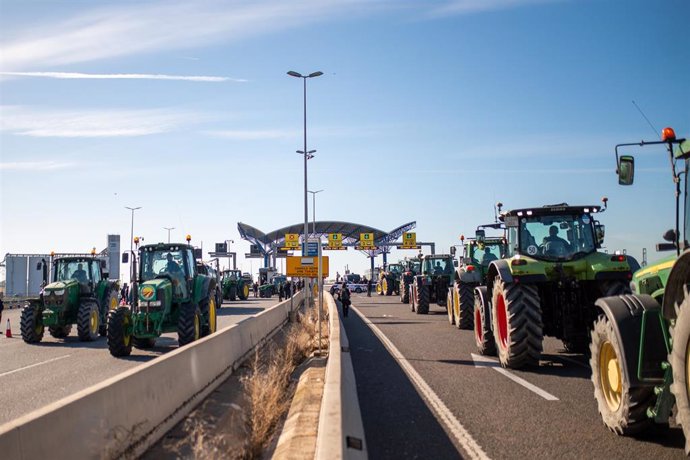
(410, 268)
(640, 346)
(212, 269)
(546, 284)
(432, 284)
(171, 296)
(471, 272)
(80, 293)
(389, 280)
(235, 285)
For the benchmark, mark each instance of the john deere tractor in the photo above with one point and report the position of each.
(547, 283)
(234, 285)
(640, 347)
(431, 285)
(473, 266)
(389, 280)
(80, 293)
(171, 296)
(410, 268)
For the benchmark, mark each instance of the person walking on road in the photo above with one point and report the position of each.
(255, 288)
(369, 286)
(280, 292)
(345, 299)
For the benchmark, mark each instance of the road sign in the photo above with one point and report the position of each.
(307, 267)
(409, 241)
(366, 241)
(335, 240)
(222, 247)
(312, 249)
(291, 241)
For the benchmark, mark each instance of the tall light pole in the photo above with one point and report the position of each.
(131, 238)
(307, 154)
(313, 208)
(168, 229)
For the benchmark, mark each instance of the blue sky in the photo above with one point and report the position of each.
(427, 110)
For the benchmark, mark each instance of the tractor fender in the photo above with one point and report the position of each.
(625, 315)
(498, 269)
(482, 293)
(203, 287)
(474, 277)
(675, 286)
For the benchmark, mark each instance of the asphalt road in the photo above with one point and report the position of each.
(478, 411)
(32, 376)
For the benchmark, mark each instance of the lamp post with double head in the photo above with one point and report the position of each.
(307, 155)
(313, 209)
(168, 229)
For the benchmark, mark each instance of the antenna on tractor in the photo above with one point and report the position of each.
(656, 131)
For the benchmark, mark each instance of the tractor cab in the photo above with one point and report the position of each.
(554, 233)
(174, 262)
(436, 265)
(84, 270)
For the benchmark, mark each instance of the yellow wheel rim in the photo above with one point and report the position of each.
(610, 375)
(196, 327)
(456, 303)
(126, 336)
(378, 288)
(245, 289)
(212, 316)
(384, 285)
(94, 320)
(113, 303)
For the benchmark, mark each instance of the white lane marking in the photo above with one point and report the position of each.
(485, 361)
(34, 365)
(462, 436)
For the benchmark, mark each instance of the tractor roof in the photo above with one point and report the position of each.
(489, 240)
(163, 246)
(438, 256)
(549, 210)
(496, 225)
(683, 149)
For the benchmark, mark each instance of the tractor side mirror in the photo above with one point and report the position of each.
(670, 236)
(103, 264)
(452, 250)
(455, 263)
(480, 234)
(626, 170)
(39, 265)
(198, 254)
(600, 232)
(125, 257)
(106, 275)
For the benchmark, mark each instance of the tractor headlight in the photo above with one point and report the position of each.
(155, 303)
(59, 292)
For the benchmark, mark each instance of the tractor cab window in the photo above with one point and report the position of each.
(73, 269)
(416, 267)
(485, 254)
(559, 237)
(394, 268)
(95, 271)
(190, 261)
(438, 266)
(162, 262)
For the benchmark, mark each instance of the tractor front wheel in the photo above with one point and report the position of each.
(517, 324)
(144, 343)
(483, 335)
(119, 332)
(680, 363)
(208, 308)
(464, 305)
(189, 324)
(404, 292)
(422, 299)
(450, 308)
(623, 409)
(88, 321)
(111, 305)
(60, 332)
(31, 324)
(244, 292)
(233, 293)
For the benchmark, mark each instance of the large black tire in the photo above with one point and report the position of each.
(88, 321)
(219, 299)
(422, 300)
(680, 352)
(483, 335)
(450, 308)
(379, 287)
(60, 332)
(119, 338)
(31, 324)
(464, 305)
(404, 292)
(232, 292)
(615, 287)
(189, 324)
(623, 409)
(144, 343)
(111, 304)
(243, 293)
(210, 319)
(517, 324)
(412, 296)
(389, 285)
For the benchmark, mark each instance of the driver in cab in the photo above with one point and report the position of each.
(173, 268)
(553, 242)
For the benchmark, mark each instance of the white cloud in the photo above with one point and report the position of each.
(254, 135)
(120, 76)
(163, 25)
(24, 121)
(33, 166)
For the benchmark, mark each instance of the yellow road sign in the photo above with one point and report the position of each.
(335, 240)
(409, 240)
(307, 267)
(366, 240)
(292, 240)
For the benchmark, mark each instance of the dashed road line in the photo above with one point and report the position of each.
(462, 436)
(33, 365)
(485, 361)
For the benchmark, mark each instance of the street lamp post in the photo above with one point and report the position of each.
(307, 155)
(168, 229)
(132, 275)
(131, 238)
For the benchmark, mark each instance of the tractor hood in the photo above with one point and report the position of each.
(150, 290)
(60, 285)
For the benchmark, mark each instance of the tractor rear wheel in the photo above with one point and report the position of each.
(422, 299)
(243, 293)
(112, 304)
(450, 308)
(88, 321)
(232, 294)
(623, 409)
(517, 324)
(144, 343)
(680, 363)
(388, 287)
(464, 305)
(412, 295)
(483, 335)
(60, 332)
(208, 308)
(189, 324)
(31, 324)
(119, 333)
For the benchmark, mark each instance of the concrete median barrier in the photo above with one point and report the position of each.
(341, 432)
(124, 415)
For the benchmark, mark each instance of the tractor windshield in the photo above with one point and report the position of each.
(162, 262)
(558, 237)
(395, 268)
(438, 266)
(483, 254)
(73, 269)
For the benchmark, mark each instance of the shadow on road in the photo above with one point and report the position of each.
(397, 422)
(234, 311)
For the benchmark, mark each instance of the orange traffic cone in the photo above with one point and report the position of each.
(8, 331)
